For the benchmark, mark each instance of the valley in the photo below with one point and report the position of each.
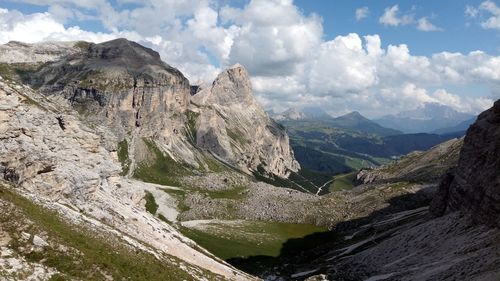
(112, 168)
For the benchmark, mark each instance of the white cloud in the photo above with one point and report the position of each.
(423, 24)
(342, 65)
(492, 22)
(391, 17)
(284, 50)
(362, 13)
(471, 11)
(273, 36)
(43, 27)
(489, 13)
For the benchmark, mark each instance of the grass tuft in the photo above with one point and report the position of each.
(151, 205)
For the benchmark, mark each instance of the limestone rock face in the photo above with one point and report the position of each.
(126, 87)
(475, 185)
(120, 82)
(233, 126)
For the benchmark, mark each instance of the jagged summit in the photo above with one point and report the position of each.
(232, 86)
(233, 125)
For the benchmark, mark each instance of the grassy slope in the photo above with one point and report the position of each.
(164, 170)
(248, 238)
(95, 256)
(343, 182)
(122, 152)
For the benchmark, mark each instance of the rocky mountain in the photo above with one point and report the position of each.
(18, 52)
(357, 122)
(112, 165)
(334, 146)
(473, 186)
(289, 114)
(428, 118)
(233, 126)
(129, 89)
(315, 112)
(351, 121)
(418, 166)
(460, 127)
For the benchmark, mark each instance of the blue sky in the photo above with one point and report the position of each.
(299, 53)
(457, 35)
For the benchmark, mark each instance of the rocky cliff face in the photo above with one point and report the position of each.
(127, 87)
(233, 126)
(474, 186)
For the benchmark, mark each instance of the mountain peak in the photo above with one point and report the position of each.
(236, 65)
(353, 114)
(123, 52)
(114, 64)
(233, 86)
(290, 114)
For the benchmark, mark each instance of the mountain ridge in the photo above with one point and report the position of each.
(426, 119)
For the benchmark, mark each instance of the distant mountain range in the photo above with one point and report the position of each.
(432, 117)
(341, 144)
(351, 121)
(460, 127)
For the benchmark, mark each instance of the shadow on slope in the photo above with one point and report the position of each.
(307, 252)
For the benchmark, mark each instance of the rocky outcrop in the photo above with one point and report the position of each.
(18, 52)
(290, 114)
(474, 186)
(420, 166)
(232, 125)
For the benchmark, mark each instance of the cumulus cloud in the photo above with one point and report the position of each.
(362, 13)
(494, 20)
(340, 60)
(290, 62)
(488, 12)
(424, 24)
(391, 17)
(43, 27)
(273, 37)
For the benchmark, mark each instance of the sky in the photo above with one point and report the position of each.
(376, 57)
